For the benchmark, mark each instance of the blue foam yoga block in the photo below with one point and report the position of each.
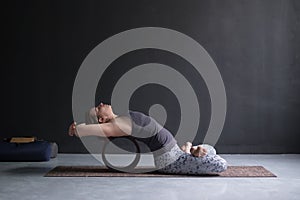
(33, 151)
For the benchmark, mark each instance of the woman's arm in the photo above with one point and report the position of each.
(121, 126)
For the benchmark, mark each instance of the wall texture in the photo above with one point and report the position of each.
(255, 44)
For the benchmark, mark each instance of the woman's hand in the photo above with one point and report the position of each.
(72, 129)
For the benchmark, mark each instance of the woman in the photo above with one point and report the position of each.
(168, 157)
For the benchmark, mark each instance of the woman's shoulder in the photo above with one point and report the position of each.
(139, 117)
(134, 112)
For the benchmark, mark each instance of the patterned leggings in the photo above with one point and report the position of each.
(178, 162)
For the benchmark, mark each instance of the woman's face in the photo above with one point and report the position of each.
(104, 113)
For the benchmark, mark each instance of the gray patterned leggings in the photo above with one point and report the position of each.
(178, 162)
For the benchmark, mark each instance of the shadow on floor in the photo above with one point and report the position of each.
(27, 171)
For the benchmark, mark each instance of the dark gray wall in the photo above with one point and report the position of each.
(255, 44)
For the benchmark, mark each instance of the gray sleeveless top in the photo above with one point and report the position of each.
(149, 131)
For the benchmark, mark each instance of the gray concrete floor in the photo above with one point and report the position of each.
(25, 180)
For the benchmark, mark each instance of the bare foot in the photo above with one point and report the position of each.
(187, 147)
(198, 151)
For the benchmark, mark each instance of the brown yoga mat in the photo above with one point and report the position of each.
(100, 171)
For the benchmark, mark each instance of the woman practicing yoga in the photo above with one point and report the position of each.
(168, 157)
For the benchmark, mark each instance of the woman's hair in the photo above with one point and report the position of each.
(91, 116)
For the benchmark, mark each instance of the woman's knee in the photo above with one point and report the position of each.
(221, 165)
(215, 164)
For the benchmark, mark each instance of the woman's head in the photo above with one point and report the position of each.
(104, 113)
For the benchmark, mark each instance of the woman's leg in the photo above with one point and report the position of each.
(189, 164)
